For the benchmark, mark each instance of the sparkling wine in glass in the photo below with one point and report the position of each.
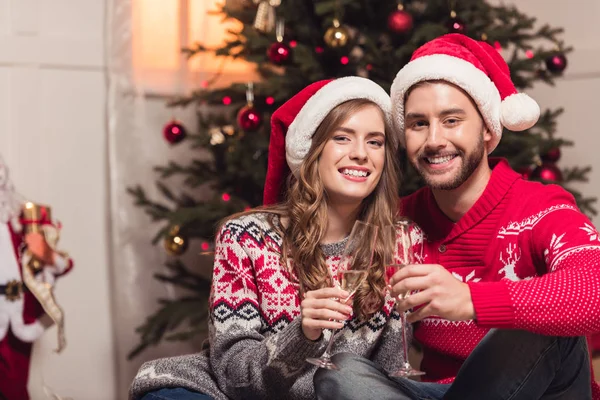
(402, 254)
(352, 271)
(350, 280)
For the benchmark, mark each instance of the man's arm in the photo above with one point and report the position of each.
(565, 300)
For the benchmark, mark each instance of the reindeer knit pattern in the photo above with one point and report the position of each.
(256, 346)
(529, 256)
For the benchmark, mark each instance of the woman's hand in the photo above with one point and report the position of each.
(321, 311)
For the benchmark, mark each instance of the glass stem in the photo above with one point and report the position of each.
(329, 345)
(333, 332)
(404, 339)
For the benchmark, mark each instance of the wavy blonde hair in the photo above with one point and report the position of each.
(305, 213)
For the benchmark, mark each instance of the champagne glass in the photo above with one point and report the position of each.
(401, 255)
(353, 269)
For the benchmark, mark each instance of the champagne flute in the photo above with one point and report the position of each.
(352, 271)
(401, 255)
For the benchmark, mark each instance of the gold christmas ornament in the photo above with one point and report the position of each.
(337, 35)
(216, 136)
(175, 243)
(265, 15)
(229, 130)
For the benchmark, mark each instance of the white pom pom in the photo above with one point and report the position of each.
(519, 112)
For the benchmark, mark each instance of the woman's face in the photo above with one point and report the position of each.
(353, 158)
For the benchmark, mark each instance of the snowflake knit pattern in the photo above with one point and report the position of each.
(256, 346)
(529, 256)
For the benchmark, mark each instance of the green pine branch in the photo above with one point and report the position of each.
(179, 319)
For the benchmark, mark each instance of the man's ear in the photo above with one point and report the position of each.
(487, 134)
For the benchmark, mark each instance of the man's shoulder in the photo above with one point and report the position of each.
(535, 194)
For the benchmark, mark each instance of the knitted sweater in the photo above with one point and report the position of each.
(531, 260)
(256, 345)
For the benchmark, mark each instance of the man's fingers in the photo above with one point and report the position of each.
(411, 270)
(411, 284)
(419, 314)
(414, 300)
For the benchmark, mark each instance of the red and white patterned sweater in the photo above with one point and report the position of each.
(530, 257)
(257, 348)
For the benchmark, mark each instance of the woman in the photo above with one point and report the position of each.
(272, 294)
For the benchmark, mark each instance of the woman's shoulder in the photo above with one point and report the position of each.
(254, 219)
(258, 225)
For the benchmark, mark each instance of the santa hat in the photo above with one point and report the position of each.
(295, 122)
(478, 69)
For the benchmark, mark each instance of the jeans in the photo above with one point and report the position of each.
(506, 364)
(175, 394)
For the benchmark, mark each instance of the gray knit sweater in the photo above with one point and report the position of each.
(256, 346)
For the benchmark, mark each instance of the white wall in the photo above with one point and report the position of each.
(52, 135)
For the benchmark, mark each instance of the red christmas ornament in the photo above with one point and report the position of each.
(547, 172)
(279, 53)
(456, 25)
(556, 63)
(525, 172)
(249, 119)
(174, 132)
(400, 21)
(552, 155)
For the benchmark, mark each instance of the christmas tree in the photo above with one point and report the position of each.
(294, 43)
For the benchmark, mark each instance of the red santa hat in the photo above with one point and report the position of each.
(478, 69)
(295, 122)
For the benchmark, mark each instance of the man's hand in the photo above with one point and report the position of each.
(439, 293)
(320, 311)
(36, 243)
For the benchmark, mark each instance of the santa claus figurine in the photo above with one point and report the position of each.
(29, 264)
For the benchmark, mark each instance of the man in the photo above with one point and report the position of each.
(510, 281)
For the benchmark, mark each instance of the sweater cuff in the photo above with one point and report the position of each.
(295, 347)
(492, 304)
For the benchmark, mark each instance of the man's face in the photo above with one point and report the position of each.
(445, 134)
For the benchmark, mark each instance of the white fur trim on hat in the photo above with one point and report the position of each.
(519, 112)
(457, 71)
(300, 132)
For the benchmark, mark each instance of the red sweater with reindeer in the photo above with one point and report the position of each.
(529, 256)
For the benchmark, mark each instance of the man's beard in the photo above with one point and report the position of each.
(467, 167)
